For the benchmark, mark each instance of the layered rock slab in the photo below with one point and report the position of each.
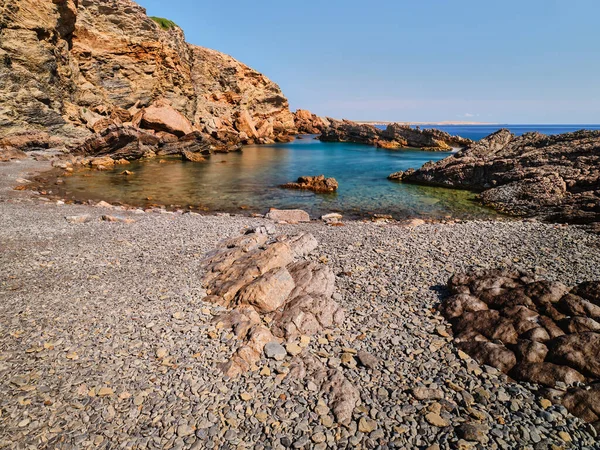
(538, 331)
(272, 295)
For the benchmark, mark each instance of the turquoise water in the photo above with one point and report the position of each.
(250, 181)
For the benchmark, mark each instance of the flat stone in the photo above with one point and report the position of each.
(275, 350)
(436, 420)
(366, 425)
(288, 215)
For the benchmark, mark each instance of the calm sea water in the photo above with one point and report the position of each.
(249, 180)
(477, 132)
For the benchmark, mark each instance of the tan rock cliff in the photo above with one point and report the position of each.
(74, 67)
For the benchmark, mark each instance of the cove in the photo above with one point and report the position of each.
(249, 181)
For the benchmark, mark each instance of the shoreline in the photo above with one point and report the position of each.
(87, 308)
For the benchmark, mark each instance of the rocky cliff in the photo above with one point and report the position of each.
(70, 68)
(557, 177)
(393, 137)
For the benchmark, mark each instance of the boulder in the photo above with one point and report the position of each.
(530, 351)
(573, 305)
(491, 354)
(268, 292)
(589, 290)
(288, 215)
(163, 117)
(584, 403)
(318, 184)
(489, 323)
(119, 143)
(579, 325)
(580, 351)
(546, 373)
(457, 305)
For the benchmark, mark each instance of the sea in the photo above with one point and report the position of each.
(249, 181)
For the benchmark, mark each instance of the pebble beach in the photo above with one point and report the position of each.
(106, 341)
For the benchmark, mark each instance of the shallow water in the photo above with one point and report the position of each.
(250, 181)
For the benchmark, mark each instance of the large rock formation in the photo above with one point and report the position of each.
(393, 137)
(272, 295)
(309, 123)
(537, 331)
(74, 67)
(557, 177)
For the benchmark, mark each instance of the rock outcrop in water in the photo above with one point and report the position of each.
(556, 177)
(318, 184)
(71, 68)
(541, 332)
(394, 136)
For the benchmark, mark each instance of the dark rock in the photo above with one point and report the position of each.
(530, 351)
(574, 305)
(119, 142)
(488, 323)
(474, 432)
(590, 290)
(584, 402)
(580, 351)
(546, 373)
(394, 136)
(494, 355)
(556, 177)
(579, 325)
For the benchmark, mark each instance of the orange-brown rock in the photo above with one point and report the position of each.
(80, 66)
(318, 184)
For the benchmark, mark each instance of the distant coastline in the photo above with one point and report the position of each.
(426, 123)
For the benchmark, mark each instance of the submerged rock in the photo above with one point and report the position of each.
(318, 184)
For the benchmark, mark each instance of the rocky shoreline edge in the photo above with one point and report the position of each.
(141, 361)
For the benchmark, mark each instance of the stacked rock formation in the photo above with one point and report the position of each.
(71, 68)
(273, 295)
(556, 177)
(536, 331)
(318, 184)
(395, 136)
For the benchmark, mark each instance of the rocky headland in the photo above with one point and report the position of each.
(71, 70)
(554, 177)
(394, 136)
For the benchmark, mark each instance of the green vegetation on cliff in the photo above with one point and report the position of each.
(165, 24)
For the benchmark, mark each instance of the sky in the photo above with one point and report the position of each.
(526, 61)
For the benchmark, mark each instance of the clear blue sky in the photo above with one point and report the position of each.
(525, 61)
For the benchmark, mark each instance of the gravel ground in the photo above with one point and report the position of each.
(105, 342)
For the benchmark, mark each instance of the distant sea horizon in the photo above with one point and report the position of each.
(479, 131)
